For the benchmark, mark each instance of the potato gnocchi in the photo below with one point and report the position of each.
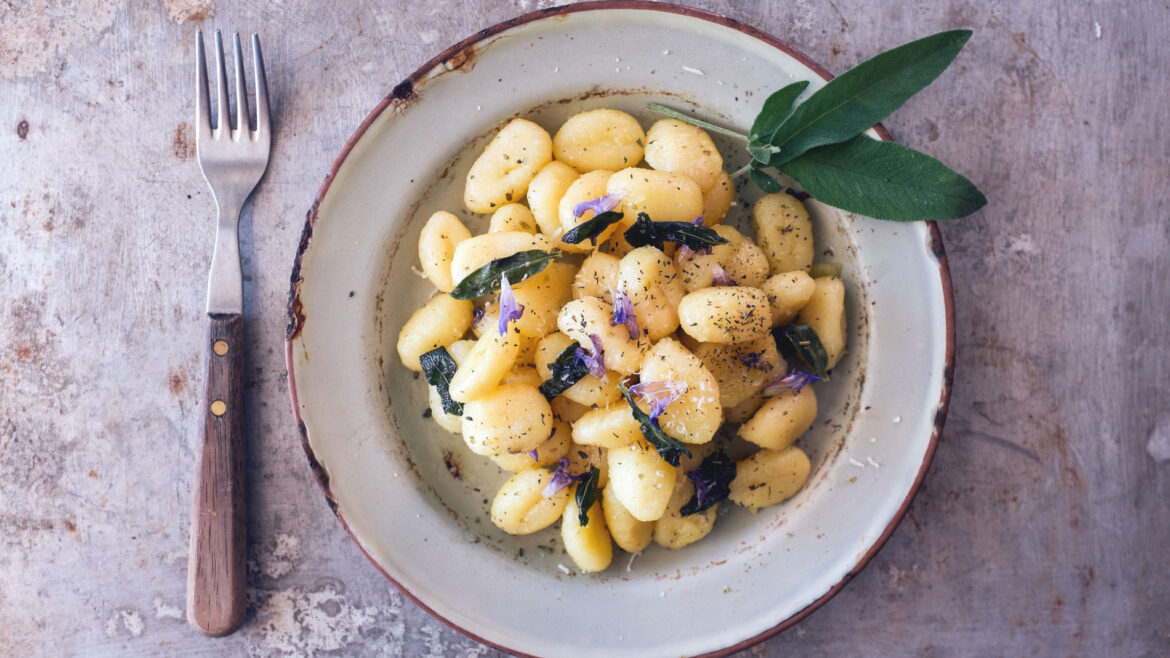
(613, 380)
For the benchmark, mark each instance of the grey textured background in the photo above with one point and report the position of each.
(1042, 528)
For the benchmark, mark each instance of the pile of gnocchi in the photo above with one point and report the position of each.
(608, 338)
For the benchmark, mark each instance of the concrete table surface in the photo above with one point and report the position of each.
(1043, 525)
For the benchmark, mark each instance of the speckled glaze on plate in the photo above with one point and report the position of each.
(415, 500)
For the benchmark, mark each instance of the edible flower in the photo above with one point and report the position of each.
(755, 360)
(623, 313)
(599, 205)
(794, 381)
(509, 309)
(477, 315)
(685, 253)
(702, 487)
(561, 478)
(595, 362)
(722, 278)
(659, 395)
(534, 455)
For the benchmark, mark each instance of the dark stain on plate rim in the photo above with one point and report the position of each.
(461, 56)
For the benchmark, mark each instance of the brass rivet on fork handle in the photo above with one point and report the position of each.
(232, 162)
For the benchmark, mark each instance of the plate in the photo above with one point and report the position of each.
(415, 500)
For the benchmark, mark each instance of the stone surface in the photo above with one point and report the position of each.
(1043, 524)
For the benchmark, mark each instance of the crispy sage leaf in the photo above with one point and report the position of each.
(647, 232)
(587, 495)
(775, 110)
(517, 267)
(799, 341)
(884, 180)
(591, 228)
(865, 94)
(565, 371)
(712, 483)
(764, 181)
(439, 368)
(669, 448)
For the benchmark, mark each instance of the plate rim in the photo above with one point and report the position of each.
(401, 93)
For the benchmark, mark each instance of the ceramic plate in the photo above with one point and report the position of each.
(416, 500)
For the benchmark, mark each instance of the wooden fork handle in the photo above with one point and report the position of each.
(216, 575)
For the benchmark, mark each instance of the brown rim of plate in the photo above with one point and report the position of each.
(402, 92)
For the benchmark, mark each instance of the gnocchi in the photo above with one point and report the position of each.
(616, 365)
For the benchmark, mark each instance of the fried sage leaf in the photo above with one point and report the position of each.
(648, 232)
(668, 447)
(587, 495)
(517, 267)
(565, 371)
(439, 368)
(712, 482)
(591, 228)
(799, 341)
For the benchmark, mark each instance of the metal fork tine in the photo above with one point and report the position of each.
(222, 119)
(202, 102)
(243, 125)
(262, 125)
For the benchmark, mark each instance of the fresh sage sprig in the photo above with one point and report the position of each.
(592, 227)
(439, 368)
(800, 342)
(565, 371)
(668, 447)
(517, 267)
(820, 143)
(648, 232)
(587, 495)
(712, 480)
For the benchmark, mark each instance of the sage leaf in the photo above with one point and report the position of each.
(587, 495)
(591, 228)
(648, 232)
(799, 342)
(668, 447)
(686, 118)
(775, 110)
(712, 481)
(884, 180)
(439, 368)
(761, 153)
(517, 267)
(565, 371)
(865, 94)
(764, 181)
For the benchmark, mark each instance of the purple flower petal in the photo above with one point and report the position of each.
(595, 362)
(477, 315)
(755, 360)
(698, 221)
(658, 394)
(560, 479)
(722, 278)
(534, 455)
(793, 381)
(509, 309)
(598, 205)
(702, 487)
(623, 313)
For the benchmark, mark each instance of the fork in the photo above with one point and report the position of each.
(232, 161)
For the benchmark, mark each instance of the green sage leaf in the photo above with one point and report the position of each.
(565, 371)
(712, 481)
(518, 266)
(586, 495)
(648, 232)
(775, 110)
(439, 368)
(668, 447)
(865, 94)
(686, 118)
(591, 228)
(800, 342)
(884, 180)
(765, 182)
